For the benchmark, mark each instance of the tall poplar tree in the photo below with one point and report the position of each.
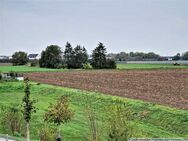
(28, 106)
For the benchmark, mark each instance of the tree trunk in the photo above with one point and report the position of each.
(59, 133)
(28, 136)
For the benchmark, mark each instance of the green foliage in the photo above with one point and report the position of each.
(68, 55)
(34, 63)
(99, 57)
(0, 76)
(28, 69)
(59, 113)
(120, 126)
(122, 56)
(19, 58)
(80, 56)
(151, 55)
(11, 119)
(185, 56)
(51, 57)
(91, 115)
(154, 121)
(28, 104)
(47, 133)
(110, 64)
(136, 56)
(177, 57)
(121, 65)
(87, 66)
(75, 57)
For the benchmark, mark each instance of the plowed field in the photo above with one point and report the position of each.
(166, 87)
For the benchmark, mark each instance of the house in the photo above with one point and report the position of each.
(34, 56)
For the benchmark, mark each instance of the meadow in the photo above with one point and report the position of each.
(9, 68)
(26, 69)
(151, 120)
(159, 122)
(148, 66)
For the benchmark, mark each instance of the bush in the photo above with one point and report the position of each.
(60, 66)
(87, 66)
(34, 63)
(110, 64)
(47, 133)
(11, 119)
(119, 125)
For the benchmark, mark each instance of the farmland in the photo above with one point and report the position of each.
(26, 69)
(156, 95)
(166, 87)
(4, 68)
(148, 66)
(160, 121)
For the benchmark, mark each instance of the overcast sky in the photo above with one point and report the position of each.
(160, 26)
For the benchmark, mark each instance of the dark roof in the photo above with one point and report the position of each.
(32, 55)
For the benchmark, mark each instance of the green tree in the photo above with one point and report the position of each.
(151, 55)
(51, 57)
(68, 55)
(59, 113)
(47, 133)
(75, 57)
(110, 64)
(90, 111)
(80, 57)
(99, 57)
(119, 125)
(185, 56)
(19, 58)
(28, 106)
(122, 56)
(177, 57)
(11, 118)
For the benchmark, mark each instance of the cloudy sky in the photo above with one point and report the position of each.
(160, 26)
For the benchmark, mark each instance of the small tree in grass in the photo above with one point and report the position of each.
(120, 126)
(60, 113)
(11, 119)
(28, 106)
(90, 110)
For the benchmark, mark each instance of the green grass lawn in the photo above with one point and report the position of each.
(119, 66)
(26, 69)
(160, 122)
(148, 66)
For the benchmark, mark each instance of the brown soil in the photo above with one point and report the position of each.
(166, 87)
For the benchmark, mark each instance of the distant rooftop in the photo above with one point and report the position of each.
(32, 55)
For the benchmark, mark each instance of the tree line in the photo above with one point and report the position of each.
(71, 58)
(77, 57)
(141, 56)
